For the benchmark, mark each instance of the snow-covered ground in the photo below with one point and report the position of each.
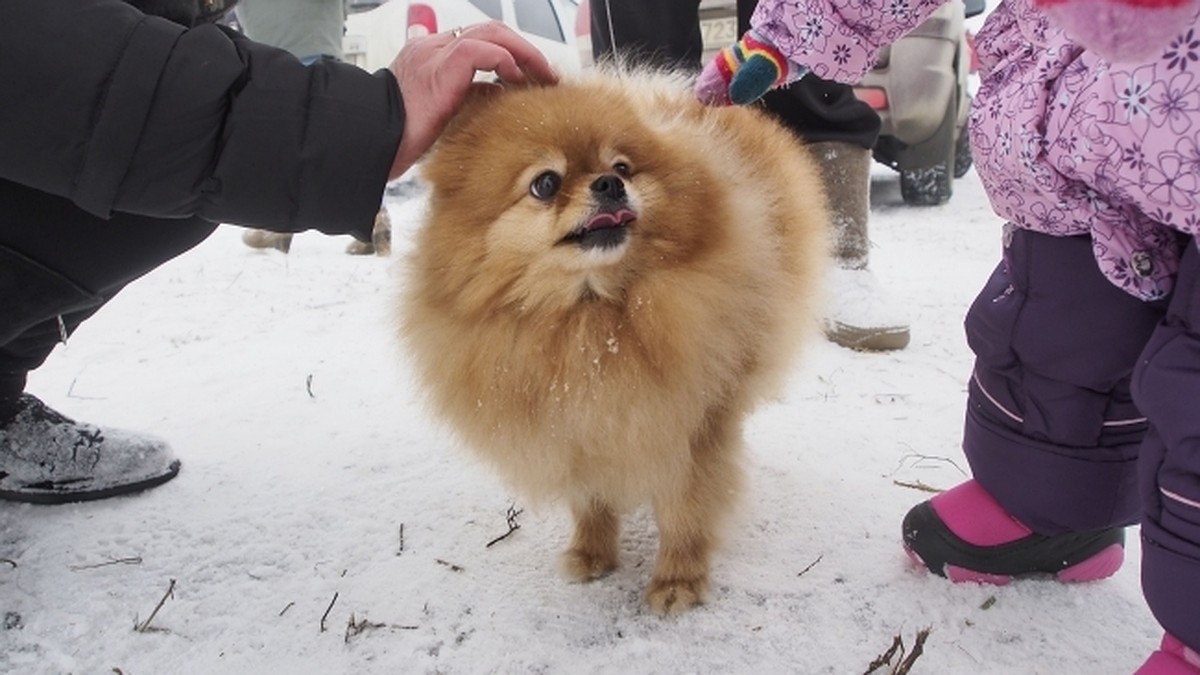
(323, 524)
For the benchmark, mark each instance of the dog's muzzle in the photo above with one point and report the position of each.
(609, 225)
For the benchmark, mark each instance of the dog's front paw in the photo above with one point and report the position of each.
(580, 565)
(668, 597)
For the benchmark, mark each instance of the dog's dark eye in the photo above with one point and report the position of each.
(622, 169)
(545, 185)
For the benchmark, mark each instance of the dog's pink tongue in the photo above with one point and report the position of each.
(610, 219)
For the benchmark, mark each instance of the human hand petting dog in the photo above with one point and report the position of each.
(743, 72)
(436, 72)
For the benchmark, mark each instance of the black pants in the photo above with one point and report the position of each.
(59, 264)
(666, 32)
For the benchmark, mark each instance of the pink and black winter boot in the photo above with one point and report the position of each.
(964, 534)
(1172, 658)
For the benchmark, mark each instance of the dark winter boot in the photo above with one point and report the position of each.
(964, 534)
(48, 458)
(859, 314)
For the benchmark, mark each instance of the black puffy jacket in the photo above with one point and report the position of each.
(118, 111)
(185, 12)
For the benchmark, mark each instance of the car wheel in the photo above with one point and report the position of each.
(933, 185)
(962, 154)
(962, 150)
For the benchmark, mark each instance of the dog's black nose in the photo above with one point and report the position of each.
(609, 186)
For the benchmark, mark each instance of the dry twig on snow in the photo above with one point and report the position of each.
(145, 626)
(905, 663)
(513, 525)
(354, 628)
(327, 610)
(917, 486)
(811, 565)
(918, 649)
(134, 560)
(886, 657)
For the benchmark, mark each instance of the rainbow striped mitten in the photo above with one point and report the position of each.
(742, 72)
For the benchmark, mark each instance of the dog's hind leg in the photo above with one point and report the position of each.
(593, 552)
(690, 516)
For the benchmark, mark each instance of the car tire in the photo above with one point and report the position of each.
(962, 150)
(930, 186)
(962, 154)
(933, 185)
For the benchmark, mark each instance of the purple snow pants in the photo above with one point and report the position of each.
(1052, 430)
(1166, 385)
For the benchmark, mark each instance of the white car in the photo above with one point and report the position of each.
(376, 34)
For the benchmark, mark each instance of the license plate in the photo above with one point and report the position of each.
(354, 44)
(718, 33)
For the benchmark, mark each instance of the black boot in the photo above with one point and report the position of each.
(48, 458)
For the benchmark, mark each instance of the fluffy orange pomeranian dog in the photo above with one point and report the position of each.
(609, 277)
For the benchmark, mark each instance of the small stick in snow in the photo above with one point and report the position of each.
(401, 549)
(308, 385)
(135, 560)
(811, 565)
(917, 486)
(917, 650)
(925, 458)
(146, 625)
(356, 627)
(513, 525)
(71, 389)
(886, 657)
(286, 608)
(906, 662)
(452, 566)
(327, 610)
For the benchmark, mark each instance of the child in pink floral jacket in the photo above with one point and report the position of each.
(1083, 410)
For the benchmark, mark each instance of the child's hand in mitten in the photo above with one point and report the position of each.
(744, 71)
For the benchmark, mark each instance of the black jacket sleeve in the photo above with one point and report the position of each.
(118, 111)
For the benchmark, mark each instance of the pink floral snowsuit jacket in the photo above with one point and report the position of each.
(1064, 142)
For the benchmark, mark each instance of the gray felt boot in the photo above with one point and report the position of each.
(859, 313)
(280, 241)
(381, 238)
